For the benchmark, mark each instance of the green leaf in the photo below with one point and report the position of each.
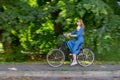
(103, 11)
(87, 6)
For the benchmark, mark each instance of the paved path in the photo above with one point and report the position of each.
(65, 72)
(41, 67)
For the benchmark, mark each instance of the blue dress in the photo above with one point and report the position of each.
(76, 44)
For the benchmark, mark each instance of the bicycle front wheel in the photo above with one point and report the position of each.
(86, 57)
(55, 58)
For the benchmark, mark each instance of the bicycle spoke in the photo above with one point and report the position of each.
(56, 58)
(86, 58)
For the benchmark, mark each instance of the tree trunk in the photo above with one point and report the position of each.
(57, 26)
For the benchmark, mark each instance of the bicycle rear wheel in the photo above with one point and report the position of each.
(86, 57)
(55, 58)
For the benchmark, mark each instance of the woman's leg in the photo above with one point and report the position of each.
(74, 60)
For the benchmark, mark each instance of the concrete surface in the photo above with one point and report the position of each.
(65, 72)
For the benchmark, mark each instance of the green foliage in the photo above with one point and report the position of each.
(31, 25)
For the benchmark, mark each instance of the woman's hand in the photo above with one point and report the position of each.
(67, 34)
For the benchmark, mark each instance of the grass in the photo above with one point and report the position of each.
(23, 62)
(107, 62)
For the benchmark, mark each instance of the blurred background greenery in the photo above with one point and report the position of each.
(33, 27)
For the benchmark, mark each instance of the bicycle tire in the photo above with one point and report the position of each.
(86, 57)
(55, 58)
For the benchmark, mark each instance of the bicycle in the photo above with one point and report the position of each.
(56, 56)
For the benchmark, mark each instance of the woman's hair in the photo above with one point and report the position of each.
(82, 24)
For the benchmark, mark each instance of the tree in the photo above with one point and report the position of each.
(36, 24)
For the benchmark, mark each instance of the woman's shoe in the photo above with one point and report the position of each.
(73, 63)
(70, 54)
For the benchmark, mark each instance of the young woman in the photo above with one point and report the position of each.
(76, 44)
